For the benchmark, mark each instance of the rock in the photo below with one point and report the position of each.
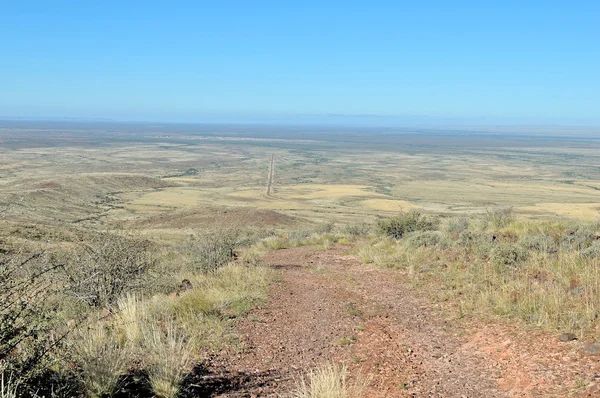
(567, 337)
(591, 349)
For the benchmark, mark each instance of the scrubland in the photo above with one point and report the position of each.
(544, 273)
(125, 261)
(87, 315)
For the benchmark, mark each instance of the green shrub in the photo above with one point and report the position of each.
(499, 217)
(425, 239)
(456, 226)
(477, 242)
(406, 222)
(357, 229)
(325, 228)
(467, 240)
(298, 235)
(507, 254)
(540, 243)
(591, 252)
(580, 239)
(214, 250)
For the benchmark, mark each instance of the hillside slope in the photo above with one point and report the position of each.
(328, 307)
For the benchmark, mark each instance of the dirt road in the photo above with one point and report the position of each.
(328, 307)
(270, 176)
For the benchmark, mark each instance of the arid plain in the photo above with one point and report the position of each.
(111, 173)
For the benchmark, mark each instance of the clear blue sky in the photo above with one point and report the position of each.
(508, 61)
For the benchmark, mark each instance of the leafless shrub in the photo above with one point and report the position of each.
(108, 267)
(25, 317)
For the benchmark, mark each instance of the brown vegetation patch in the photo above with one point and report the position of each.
(74, 198)
(217, 216)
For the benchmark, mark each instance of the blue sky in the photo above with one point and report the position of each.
(408, 61)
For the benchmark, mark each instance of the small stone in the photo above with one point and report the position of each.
(591, 349)
(567, 337)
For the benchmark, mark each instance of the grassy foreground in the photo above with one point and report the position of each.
(92, 314)
(88, 314)
(546, 273)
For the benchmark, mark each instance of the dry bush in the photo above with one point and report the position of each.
(108, 267)
(253, 256)
(455, 226)
(329, 381)
(326, 227)
(235, 288)
(212, 251)
(498, 217)
(302, 237)
(558, 291)
(592, 252)
(357, 229)
(508, 254)
(580, 239)
(425, 239)
(539, 242)
(379, 252)
(276, 243)
(406, 222)
(131, 314)
(26, 320)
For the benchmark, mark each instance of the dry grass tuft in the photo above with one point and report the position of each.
(132, 312)
(101, 358)
(168, 357)
(329, 381)
(162, 335)
(8, 387)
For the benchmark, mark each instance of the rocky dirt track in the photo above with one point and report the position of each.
(328, 307)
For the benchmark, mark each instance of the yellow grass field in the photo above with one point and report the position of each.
(314, 181)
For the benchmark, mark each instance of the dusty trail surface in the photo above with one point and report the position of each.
(328, 307)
